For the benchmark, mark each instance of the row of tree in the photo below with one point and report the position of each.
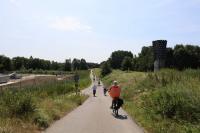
(180, 57)
(21, 63)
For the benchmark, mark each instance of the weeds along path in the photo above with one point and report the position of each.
(94, 116)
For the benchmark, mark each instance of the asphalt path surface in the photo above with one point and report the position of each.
(95, 116)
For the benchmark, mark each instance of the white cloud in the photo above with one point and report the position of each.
(69, 24)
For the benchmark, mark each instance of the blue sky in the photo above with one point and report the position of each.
(92, 29)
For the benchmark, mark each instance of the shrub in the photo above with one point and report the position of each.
(5, 130)
(25, 105)
(176, 94)
(41, 119)
(177, 102)
(18, 104)
(55, 114)
(127, 63)
(77, 99)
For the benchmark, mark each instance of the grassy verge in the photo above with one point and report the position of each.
(97, 72)
(164, 102)
(34, 108)
(85, 79)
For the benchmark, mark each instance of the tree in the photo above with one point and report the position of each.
(5, 63)
(36, 63)
(93, 65)
(134, 63)
(46, 64)
(54, 65)
(146, 59)
(193, 56)
(186, 56)
(76, 64)
(83, 64)
(19, 63)
(68, 65)
(117, 57)
(127, 63)
(106, 69)
(169, 63)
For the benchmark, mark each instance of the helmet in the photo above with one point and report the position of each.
(115, 82)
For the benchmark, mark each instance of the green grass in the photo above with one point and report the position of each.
(97, 72)
(34, 108)
(85, 79)
(164, 102)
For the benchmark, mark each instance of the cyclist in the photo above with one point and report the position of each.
(94, 90)
(114, 92)
(104, 90)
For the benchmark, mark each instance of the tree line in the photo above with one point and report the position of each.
(180, 57)
(22, 63)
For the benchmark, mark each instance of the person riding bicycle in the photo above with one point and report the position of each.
(114, 92)
(94, 88)
(104, 90)
(99, 82)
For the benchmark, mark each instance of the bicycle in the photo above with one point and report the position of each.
(117, 103)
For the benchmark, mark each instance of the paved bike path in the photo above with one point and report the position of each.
(95, 116)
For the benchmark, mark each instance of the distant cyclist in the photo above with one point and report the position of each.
(104, 90)
(99, 82)
(94, 88)
(94, 78)
(114, 92)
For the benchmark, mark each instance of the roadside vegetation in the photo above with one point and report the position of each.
(43, 72)
(97, 72)
(34, 108)
(163, 102)
(180, 57)
(41, 66)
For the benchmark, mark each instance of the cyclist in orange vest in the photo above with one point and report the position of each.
(114, 92)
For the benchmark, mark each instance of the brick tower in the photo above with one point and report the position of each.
(159, 47)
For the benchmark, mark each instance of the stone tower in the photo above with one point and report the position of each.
(159, 47)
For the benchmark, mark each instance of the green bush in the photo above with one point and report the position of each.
(18, 104)
(176, 102)
(78, 99)
(41, 119)
(55, 114)
(25, 105)
(5, 130)
(173, 94)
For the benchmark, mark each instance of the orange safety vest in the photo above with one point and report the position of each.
(115, 91)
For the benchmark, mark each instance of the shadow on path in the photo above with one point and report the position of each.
(121, 117)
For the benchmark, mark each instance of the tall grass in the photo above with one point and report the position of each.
(97, 72)
(85, 79)
(36, 107)
(163, 102)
